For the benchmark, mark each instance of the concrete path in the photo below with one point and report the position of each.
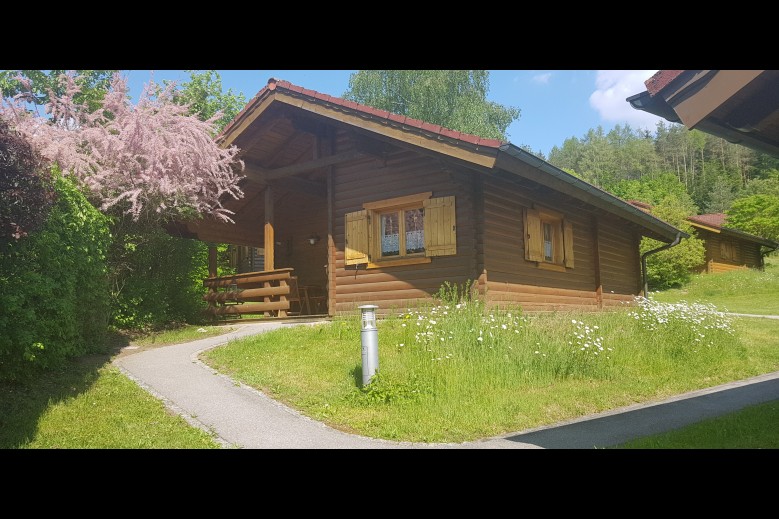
(242, 417)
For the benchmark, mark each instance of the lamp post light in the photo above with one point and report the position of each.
(369, 335)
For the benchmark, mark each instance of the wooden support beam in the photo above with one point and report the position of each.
(252, 308)
(248, 279)
(302, 167)
(246, 295)
(300, 185)
(331, 249)
(211, 260)
(269, 241)
(596, 262)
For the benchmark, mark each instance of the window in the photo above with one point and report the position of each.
(548, 239)
(728, 250)
(401, 231)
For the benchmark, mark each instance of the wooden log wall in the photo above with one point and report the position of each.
(620, 262)
(748, 253)
(402, 173)
(605, 253)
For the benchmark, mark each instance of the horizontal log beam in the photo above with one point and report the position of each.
(246, 295)
(248, 277)
(301, 185)
(249, 308)
(301, 167)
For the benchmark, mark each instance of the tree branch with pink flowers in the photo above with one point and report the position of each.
(150, 160)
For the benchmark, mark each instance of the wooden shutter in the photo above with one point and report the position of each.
(534, 241)
(356, 248)
(440, 227)
(568, 243)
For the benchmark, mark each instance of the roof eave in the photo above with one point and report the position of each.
(618, 206)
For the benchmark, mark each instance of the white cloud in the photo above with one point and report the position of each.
(542, 78)
(612, 87)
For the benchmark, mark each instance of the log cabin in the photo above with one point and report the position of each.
(357, 206)
(726, 248)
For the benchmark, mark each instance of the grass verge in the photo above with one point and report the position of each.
(450, 374)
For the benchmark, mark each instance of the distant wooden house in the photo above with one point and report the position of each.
(726, 248)
(361, 206)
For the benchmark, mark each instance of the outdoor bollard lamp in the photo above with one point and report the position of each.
(370, 343)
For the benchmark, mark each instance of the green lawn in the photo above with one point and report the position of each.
(89, 404)
(443, 377)
(740, 291)
(752, 428)
(455, 378)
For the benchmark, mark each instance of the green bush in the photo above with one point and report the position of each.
(53, 287)
(673, 267)
(156, 278)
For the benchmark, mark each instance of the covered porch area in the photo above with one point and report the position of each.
(279, 249)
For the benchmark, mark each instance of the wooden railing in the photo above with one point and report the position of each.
(249, 293)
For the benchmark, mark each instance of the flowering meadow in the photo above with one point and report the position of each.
(456, 371)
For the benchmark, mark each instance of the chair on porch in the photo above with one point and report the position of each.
(295, 303)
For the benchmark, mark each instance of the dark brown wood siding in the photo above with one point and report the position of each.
(514, 280)
(747, 253)
(297, 217)
(403, 173)
(620, 263)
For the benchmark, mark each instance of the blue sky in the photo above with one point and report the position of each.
(554, 104)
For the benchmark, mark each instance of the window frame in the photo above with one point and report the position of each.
(562, 234)
(398, 206)
(363, 239)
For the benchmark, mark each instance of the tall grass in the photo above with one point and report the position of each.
(747, 291)
(456, 371)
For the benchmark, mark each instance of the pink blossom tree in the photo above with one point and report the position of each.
(151, 160)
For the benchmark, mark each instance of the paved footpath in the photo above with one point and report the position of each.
(242, 417)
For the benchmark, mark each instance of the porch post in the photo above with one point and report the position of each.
(211, 260)
(270, 238)
(596, 261)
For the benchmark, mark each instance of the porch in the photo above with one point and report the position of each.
(269, 293)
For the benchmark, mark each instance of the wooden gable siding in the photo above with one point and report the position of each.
(514, 280)
(403, 173)
(747, 253)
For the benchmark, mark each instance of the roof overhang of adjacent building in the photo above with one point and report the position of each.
(740, 106)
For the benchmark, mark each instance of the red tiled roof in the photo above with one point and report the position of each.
(716, 220)
(641, 205)
(278, 84)
(661, 78)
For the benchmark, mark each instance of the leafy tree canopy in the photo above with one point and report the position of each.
(454, 99)
(204, 95)
(756, 214)
(652, 190)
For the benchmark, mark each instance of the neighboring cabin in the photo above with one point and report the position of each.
(725, 248)
(729, 249)
(402, 206)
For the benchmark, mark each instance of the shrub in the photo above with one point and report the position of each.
(26, 194)
(156, 278)
(53, 287)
